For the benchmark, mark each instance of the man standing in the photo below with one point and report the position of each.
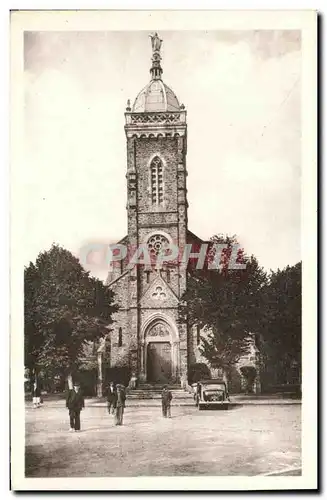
(120, 404)
(111, 398)
(75, 403)
(166, 398)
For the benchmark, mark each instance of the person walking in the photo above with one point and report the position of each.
(132, 382)
(75, 403)
(36, 394)
(120, 404)
(166, 397)
(111, 397)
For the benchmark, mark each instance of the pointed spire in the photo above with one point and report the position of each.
(156, 70)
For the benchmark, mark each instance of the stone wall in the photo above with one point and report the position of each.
(119, 355)
(166, 149)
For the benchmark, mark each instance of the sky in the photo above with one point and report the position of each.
(242, 93)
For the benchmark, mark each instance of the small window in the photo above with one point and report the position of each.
(168, 276)
(198, 331)
(120, 337)
(147, 276)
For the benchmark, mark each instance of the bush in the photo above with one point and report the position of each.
(118, 375)
(198, 371)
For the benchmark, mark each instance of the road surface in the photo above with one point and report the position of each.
(242, 441)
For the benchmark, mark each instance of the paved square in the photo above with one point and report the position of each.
(241, 441)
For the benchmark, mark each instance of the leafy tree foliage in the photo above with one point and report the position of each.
(225, 303)
(234, 307)
(65, 308)
(198, 371)
(33, 339)
(281, 325)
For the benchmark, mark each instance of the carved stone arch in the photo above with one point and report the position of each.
(156, 318)
(159, 155)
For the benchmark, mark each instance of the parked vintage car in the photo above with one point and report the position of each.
(211, 394)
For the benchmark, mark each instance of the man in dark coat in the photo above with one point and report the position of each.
(111, 397)
(75, 403)
(166, 398)
(120, 404)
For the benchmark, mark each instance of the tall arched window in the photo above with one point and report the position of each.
(156, 181)
(120, 337)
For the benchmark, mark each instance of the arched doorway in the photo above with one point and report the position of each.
(159, 362)
(160, 352)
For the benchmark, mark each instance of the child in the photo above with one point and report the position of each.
(166, 398)
(36, 393)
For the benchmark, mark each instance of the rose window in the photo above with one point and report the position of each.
(157, 244)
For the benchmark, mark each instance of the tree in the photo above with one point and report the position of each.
(65, 308)
(33, 339)
(225, 303)
(281, 328)
(198, 371)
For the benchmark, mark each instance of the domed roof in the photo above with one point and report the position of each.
(156, 97)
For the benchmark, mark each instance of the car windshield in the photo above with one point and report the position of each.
(214, 387)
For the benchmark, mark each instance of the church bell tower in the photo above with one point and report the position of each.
(156, 134)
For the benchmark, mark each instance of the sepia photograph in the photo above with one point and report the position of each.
(163, 180)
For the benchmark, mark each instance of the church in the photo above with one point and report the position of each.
(147, 334)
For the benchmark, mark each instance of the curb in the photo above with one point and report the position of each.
(155, 404)
(136, 404)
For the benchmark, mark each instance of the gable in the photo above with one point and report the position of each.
(159, 294)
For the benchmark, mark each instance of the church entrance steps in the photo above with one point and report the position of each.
(143, 403)
(154, 393)
(158, 387)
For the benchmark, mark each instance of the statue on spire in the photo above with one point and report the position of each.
(156, 69)
(156, 42)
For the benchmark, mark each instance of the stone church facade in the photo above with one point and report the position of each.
(147, 334)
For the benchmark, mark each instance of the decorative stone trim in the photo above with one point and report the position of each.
(155, 118)
(159, 293)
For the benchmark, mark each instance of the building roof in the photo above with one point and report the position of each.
(156, 96)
